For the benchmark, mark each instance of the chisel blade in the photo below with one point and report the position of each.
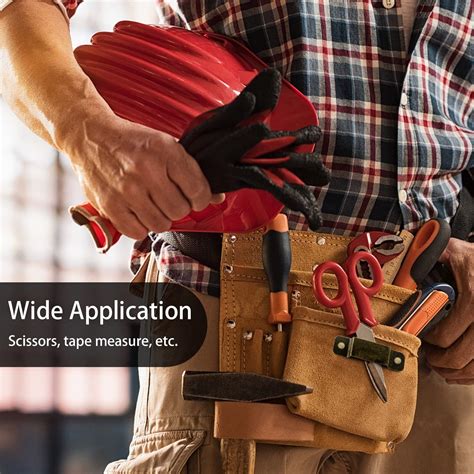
(237, 387)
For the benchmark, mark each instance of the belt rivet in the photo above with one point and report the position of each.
(397, 360)
(228, 268)
(321, 241)
(341, 345)
(248, 335)
(230, 323)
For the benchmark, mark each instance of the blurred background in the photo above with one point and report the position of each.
(59, 420)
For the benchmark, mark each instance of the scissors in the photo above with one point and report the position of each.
(361, 324)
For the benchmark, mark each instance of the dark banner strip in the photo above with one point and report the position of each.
(98, 325)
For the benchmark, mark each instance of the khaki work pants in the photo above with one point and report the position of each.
(175, 436)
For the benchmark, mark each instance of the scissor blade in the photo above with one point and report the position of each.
(374, 370)
(365, 332)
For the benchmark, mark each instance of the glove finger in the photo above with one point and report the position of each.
(260, 95)
(207, 139)
(310, 134)
(282, 175)
(302, 199)
(266, 88)
(227, 116)
(266, 162)
(306, 166)
(271, 145)
(310, 169)
(230, 149)
(302, 136)
(283, 140)
(296, 197)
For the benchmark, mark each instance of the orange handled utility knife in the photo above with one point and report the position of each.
(424, 309)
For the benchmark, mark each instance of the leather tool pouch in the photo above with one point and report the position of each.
(345, 410)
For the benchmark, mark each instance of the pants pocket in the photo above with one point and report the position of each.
(159, 453)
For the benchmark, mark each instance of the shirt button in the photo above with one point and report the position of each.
(403, 99)
(402, 195)
(388, 4)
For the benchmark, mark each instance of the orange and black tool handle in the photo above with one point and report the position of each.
(425, 250)
(277, 263)
(424, 309)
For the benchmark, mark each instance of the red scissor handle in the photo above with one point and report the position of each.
(347, 279)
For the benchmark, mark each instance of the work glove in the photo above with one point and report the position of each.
(236, 150)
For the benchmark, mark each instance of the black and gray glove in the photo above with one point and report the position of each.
(236, 150)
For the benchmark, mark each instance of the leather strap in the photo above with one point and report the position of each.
(269, 422)
(238, 456)
(252, 351)
(151, 278)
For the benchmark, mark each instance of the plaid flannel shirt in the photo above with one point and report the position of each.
(397, 120)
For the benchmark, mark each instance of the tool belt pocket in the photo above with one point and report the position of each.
(343, 397)
(345, 410)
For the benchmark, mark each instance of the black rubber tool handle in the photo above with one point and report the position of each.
(405, 310)
(277, 263)
(425, 250)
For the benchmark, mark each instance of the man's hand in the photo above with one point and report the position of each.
(138, 178)
(451, 343)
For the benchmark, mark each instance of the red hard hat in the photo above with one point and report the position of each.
(164, 77)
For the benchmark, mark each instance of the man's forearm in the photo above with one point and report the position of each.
(40, 78)
(139, 178)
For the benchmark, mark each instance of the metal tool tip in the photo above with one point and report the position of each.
(383, 394)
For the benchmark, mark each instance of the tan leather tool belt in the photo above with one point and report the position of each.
(343, 412)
